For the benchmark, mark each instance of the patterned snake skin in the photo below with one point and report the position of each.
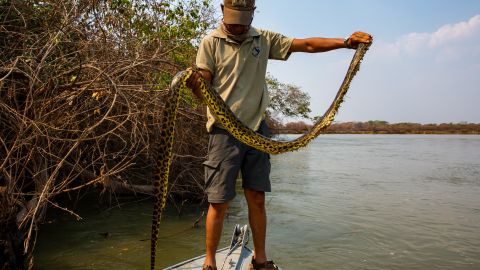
(232, 125)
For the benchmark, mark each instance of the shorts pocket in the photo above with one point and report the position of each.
(211, 167)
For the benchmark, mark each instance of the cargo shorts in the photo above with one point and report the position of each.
(226, 158)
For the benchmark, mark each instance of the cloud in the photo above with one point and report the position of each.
(449, 39)
(451, 32)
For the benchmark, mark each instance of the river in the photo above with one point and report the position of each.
(344, 202)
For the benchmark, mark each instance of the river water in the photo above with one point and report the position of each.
(344, 202)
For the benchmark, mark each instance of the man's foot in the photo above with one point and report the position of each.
(209, 267)
(268, 265)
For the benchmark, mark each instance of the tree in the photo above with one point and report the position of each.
(286, 100)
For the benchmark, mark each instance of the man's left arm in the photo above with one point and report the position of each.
(317, 44)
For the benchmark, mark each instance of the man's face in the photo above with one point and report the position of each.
(237, 29)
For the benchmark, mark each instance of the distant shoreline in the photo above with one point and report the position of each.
(366, 133)
(372, 133)
(383, 127)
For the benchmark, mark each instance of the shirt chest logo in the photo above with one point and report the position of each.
(255, 51)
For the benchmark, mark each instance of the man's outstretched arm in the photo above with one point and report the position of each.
(317, 44)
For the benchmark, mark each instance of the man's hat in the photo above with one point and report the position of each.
(238, 11)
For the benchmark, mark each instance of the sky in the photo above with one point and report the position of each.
(423, 67)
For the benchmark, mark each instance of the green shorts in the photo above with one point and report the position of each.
(226, 158)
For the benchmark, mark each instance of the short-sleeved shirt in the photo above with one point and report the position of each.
(239, 71)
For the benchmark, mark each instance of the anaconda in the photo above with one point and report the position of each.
(232, 125)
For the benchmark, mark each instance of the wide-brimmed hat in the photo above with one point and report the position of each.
(238, 11)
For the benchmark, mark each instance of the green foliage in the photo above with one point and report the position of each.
(176, 25)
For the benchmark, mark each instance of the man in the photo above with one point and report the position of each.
(233, 59)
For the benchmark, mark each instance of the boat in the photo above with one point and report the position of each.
(237, 256)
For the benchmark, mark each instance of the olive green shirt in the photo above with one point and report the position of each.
(239, 71)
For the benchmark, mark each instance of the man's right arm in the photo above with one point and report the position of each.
(194, 81)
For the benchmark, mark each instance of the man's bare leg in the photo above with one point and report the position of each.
(214, 226)
(258, 222)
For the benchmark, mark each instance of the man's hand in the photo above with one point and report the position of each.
(358, 37)
(194, 81)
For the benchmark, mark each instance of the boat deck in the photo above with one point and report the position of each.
(235, 257)
(238, 259)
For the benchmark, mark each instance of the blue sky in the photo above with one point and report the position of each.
(424, 65)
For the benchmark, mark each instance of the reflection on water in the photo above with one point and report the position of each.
(344, 202)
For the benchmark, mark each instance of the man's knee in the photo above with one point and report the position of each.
(218, 208)
(255, 198)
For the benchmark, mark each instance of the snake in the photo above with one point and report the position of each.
(234, 126)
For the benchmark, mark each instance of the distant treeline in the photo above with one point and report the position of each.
(383, 127)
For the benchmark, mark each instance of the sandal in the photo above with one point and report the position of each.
(268, 265)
